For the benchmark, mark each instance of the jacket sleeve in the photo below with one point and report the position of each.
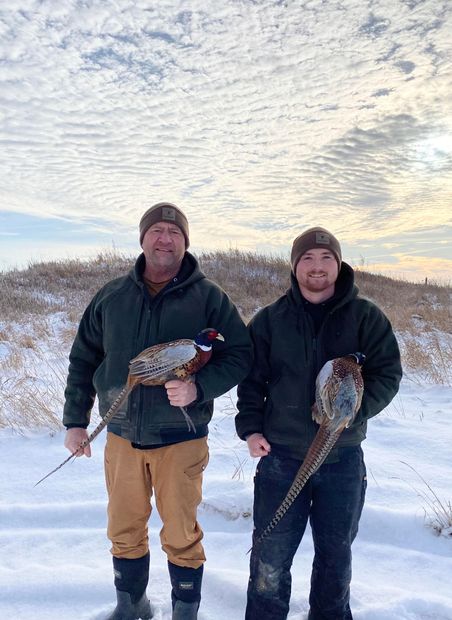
(230, 359)
(85, 356)
(252, 391)
(382, 370)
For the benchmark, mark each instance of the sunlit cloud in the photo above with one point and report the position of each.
(414, 268)
(258, 119)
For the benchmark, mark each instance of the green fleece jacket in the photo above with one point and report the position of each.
(121, 321)
(276, 397)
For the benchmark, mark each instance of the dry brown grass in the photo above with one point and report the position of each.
(421, 316)
(437, 512)
(41, 306)
(56, 286)
(408, 304)
(252, 280)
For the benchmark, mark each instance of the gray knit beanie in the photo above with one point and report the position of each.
(315, 237)
(164, 212)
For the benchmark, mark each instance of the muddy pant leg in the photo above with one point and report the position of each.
(338, 491)
(269, 586)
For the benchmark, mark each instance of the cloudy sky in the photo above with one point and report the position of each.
(258, 118)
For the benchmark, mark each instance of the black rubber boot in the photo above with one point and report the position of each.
(186, 591)
(185, 611)
(126, 610)
(131, 579)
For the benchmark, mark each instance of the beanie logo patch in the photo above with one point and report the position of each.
(168, 213)
(322, 238)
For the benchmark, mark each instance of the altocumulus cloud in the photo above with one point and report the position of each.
(258, 118)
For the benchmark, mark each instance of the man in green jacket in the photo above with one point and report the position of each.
(321, 317)
(149, 449)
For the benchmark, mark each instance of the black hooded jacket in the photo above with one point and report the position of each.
(276, 397)
(121, 321)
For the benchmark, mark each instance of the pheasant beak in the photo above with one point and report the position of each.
(219, 337)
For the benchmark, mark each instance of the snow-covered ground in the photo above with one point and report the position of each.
(54, 555)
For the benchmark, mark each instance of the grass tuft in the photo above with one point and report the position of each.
(437, 513)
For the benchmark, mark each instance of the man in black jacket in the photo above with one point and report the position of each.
(319, 318)
(149, 449)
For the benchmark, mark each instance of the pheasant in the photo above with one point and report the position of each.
(338, 394)
(178, 359)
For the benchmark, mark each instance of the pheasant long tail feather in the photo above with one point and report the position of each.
(317, 453)
(123, 394)
(102, 424)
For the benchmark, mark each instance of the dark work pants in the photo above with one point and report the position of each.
(332, 500)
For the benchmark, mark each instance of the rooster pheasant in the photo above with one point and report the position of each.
(178, 359)
(338, 395)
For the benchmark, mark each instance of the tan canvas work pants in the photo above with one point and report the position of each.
(174, 474)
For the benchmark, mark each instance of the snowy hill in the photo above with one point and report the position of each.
(55, 561)
(54, 555)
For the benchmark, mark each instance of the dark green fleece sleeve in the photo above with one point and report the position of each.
(252, 391)
(382, 370)
(85, 356)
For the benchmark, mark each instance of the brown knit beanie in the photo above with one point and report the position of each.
(164, 212)
(315, 237)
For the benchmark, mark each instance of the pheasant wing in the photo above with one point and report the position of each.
(326, 389)
(339, 390)
(156, 363)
